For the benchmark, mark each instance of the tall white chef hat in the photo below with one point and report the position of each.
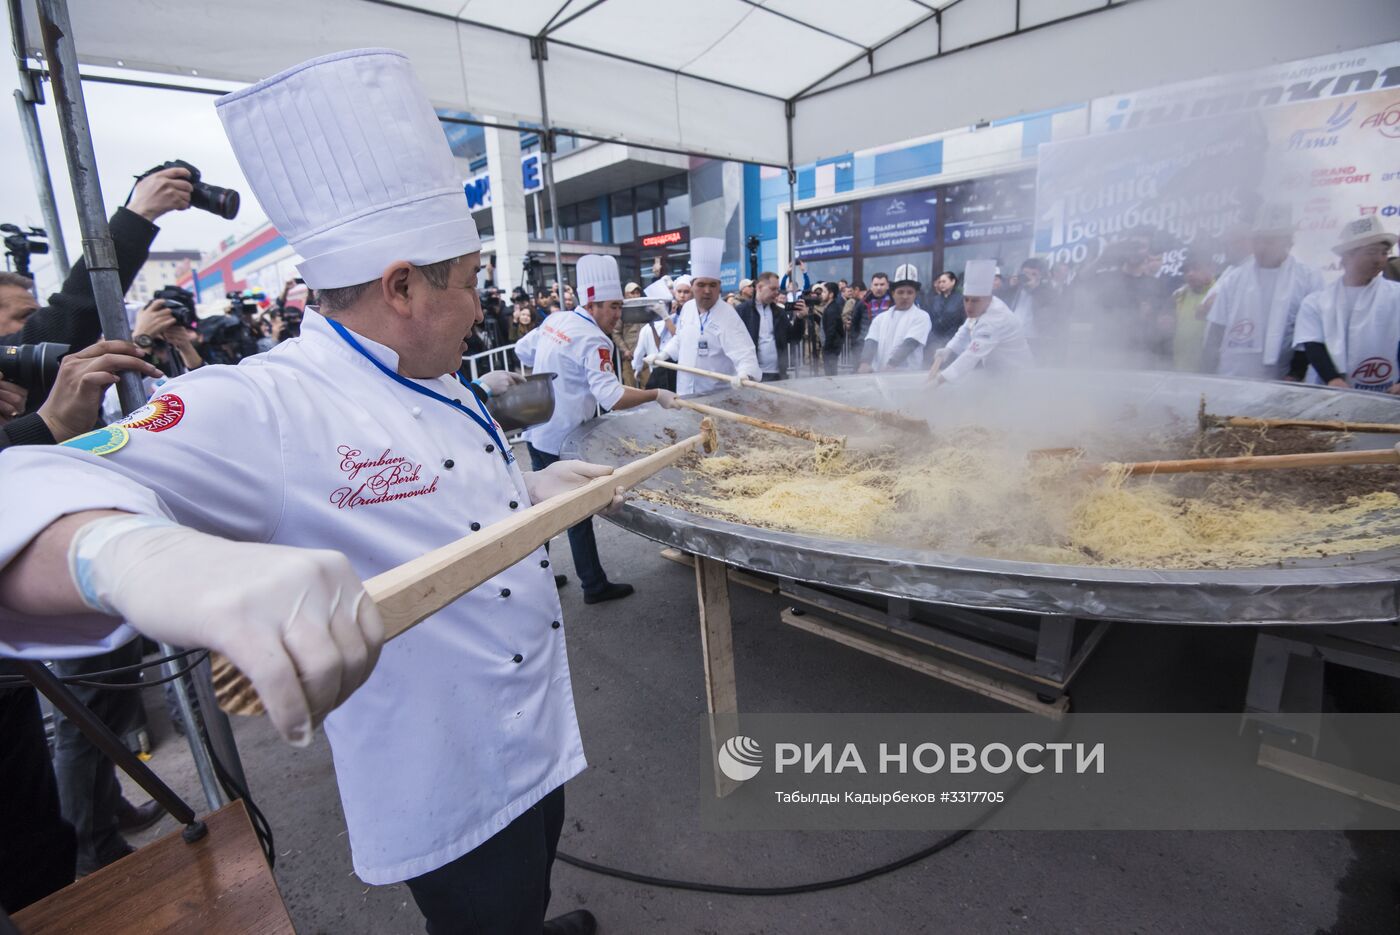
(978, 276)
(658, 290)
(1274, 219)
(597, 279)
(347, 157)
(706, 254)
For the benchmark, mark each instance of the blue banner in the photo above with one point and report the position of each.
(901, 222)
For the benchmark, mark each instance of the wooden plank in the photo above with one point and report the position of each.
(220, 883)
(1257, 462)
(752, 582)
(1330, 776)
(931, 636)
(955, 675)
(717, 645)
(834, 441)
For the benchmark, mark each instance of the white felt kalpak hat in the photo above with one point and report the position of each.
(706, 254)
(597, 279)
(346, 156)
(1361, 233)
(978, 276)
(906, 275)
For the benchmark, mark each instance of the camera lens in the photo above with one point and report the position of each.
(32, 366)
(221, 201)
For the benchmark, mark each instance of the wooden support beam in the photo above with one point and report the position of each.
(717, 644)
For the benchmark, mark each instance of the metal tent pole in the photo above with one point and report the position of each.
(98, 250)
(540, 52)
(27, 95)
(101, 257)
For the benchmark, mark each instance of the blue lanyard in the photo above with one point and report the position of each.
(703, 319)
(591, 321)
(484, 420)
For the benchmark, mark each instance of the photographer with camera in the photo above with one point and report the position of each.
(164, 331)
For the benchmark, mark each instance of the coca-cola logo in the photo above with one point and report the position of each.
(1372, 371)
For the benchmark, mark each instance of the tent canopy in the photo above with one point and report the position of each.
(778, 82)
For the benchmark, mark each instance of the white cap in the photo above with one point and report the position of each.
(978, 276)
(658, 290)
(906, 275)
(597, 279)
(1361, 233)
(706, 254)
(346, 156)
(1275, 218)
(683, 280)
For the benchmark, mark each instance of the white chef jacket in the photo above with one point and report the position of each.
(310, 445)
(717, 340)
(1362, 338)
(648, 343)
(572, 345)
(1258, 338)
(994, 340)
(892, 329)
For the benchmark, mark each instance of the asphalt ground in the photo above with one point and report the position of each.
(638, 684)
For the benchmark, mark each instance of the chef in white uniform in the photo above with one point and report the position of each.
(1255, 307)
(1350, 330)
(710, 335)
(221, 500)
(656, 332)
(896, 339)
(992, 339)
(575, 346)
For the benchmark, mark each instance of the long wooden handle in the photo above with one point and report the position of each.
(718, 413)
(1320, 425)
(422, 586)
(1261, 462)
(890, 418)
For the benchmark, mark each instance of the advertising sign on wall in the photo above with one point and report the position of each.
(901, 222)
(825, 231)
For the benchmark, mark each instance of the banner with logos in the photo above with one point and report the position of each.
(902, 222)
(1322, 135)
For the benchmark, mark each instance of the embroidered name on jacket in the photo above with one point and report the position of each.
(381, 479)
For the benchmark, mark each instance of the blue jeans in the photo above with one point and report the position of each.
(581, 541)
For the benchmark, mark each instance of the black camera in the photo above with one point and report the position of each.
(180, 302)
(32, 366)
(221, 201)
(20, 243)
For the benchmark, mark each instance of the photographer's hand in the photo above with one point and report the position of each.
(12, 400)
(160, 193)
(182, 339)
(153, 320)
(76, 397)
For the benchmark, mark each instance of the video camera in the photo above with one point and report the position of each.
(20, 243)
(32, 366)
(221, 201)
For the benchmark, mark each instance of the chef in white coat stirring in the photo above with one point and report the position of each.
(1350, 330)
(576, 346)
(710, 335)
(991, 339)
(896, 338)
(222, 500)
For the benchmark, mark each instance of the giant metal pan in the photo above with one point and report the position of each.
(1046, 408)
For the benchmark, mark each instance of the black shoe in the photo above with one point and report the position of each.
(560, 580)
(611, 592)
(111, 857)
(138, 817)
(578, 922)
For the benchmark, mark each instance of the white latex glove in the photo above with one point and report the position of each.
(940, 357)
(737, 382)
(297, 622)
(498, 381)
(652, 359)
(665, 399)
(564, 476)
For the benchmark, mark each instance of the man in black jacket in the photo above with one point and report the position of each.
(71, 315)
(771, 326)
